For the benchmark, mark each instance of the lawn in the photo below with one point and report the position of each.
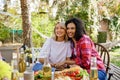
(115, 56)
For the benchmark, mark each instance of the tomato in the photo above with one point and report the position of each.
(36, 73)
(77, 72)
(72, 74)
(67, 73)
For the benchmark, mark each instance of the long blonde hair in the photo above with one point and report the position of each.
(63, 26)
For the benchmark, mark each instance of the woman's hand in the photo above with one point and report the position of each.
(53, 65)
(60, 64)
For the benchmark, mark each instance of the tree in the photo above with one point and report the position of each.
(26, 22)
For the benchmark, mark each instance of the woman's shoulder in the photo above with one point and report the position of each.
(49, 39)
(52, 40)
(85, 38)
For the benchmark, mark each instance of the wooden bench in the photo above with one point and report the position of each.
(112, 71)
(115, 71)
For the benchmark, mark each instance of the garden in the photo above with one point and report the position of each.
(102, 22)
(31, 24)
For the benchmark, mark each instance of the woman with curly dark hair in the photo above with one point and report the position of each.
(83, 47)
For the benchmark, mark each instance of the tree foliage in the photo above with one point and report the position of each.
(110, 10)
(44, 25)
(90, 11)
(114, 27)
(4, 32)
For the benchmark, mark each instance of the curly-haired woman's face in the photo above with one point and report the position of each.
(71, 28)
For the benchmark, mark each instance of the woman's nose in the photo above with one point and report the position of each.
(68, 30)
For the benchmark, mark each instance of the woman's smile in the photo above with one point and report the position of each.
(71, 30)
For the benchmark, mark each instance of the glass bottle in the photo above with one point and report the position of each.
(29, 73)
(21, 63)
(93, 69)
(47, 72)
(28, 57)
(15, 73)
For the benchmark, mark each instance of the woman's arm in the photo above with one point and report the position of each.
(70, 62)
(41, 60)
(85, 53)
(45, 50)
(65, 63)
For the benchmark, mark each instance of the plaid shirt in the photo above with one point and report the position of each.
(84, 50)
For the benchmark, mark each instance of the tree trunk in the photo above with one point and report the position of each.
(26, 22)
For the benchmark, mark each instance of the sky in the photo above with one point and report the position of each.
(1, 4)
(16, 5)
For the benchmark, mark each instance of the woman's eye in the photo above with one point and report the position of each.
(72, 28)
(56, 28)
(68, 28)
(61, 28)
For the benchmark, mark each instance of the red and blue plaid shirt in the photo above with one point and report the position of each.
(84, 50)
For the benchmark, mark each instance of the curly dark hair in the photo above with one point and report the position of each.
(80, 30)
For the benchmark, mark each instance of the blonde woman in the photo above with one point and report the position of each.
(57, 47)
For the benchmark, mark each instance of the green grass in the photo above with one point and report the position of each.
(115, 56)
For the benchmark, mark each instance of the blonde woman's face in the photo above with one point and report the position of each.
(59, 31)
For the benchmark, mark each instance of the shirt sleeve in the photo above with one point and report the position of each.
(86, 50)
(45, 50)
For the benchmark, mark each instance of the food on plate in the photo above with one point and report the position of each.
(40, 76)
(74, 73)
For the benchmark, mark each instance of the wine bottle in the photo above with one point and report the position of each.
(47, 72)
(93, 69)
(14, 74)
(22, 64)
